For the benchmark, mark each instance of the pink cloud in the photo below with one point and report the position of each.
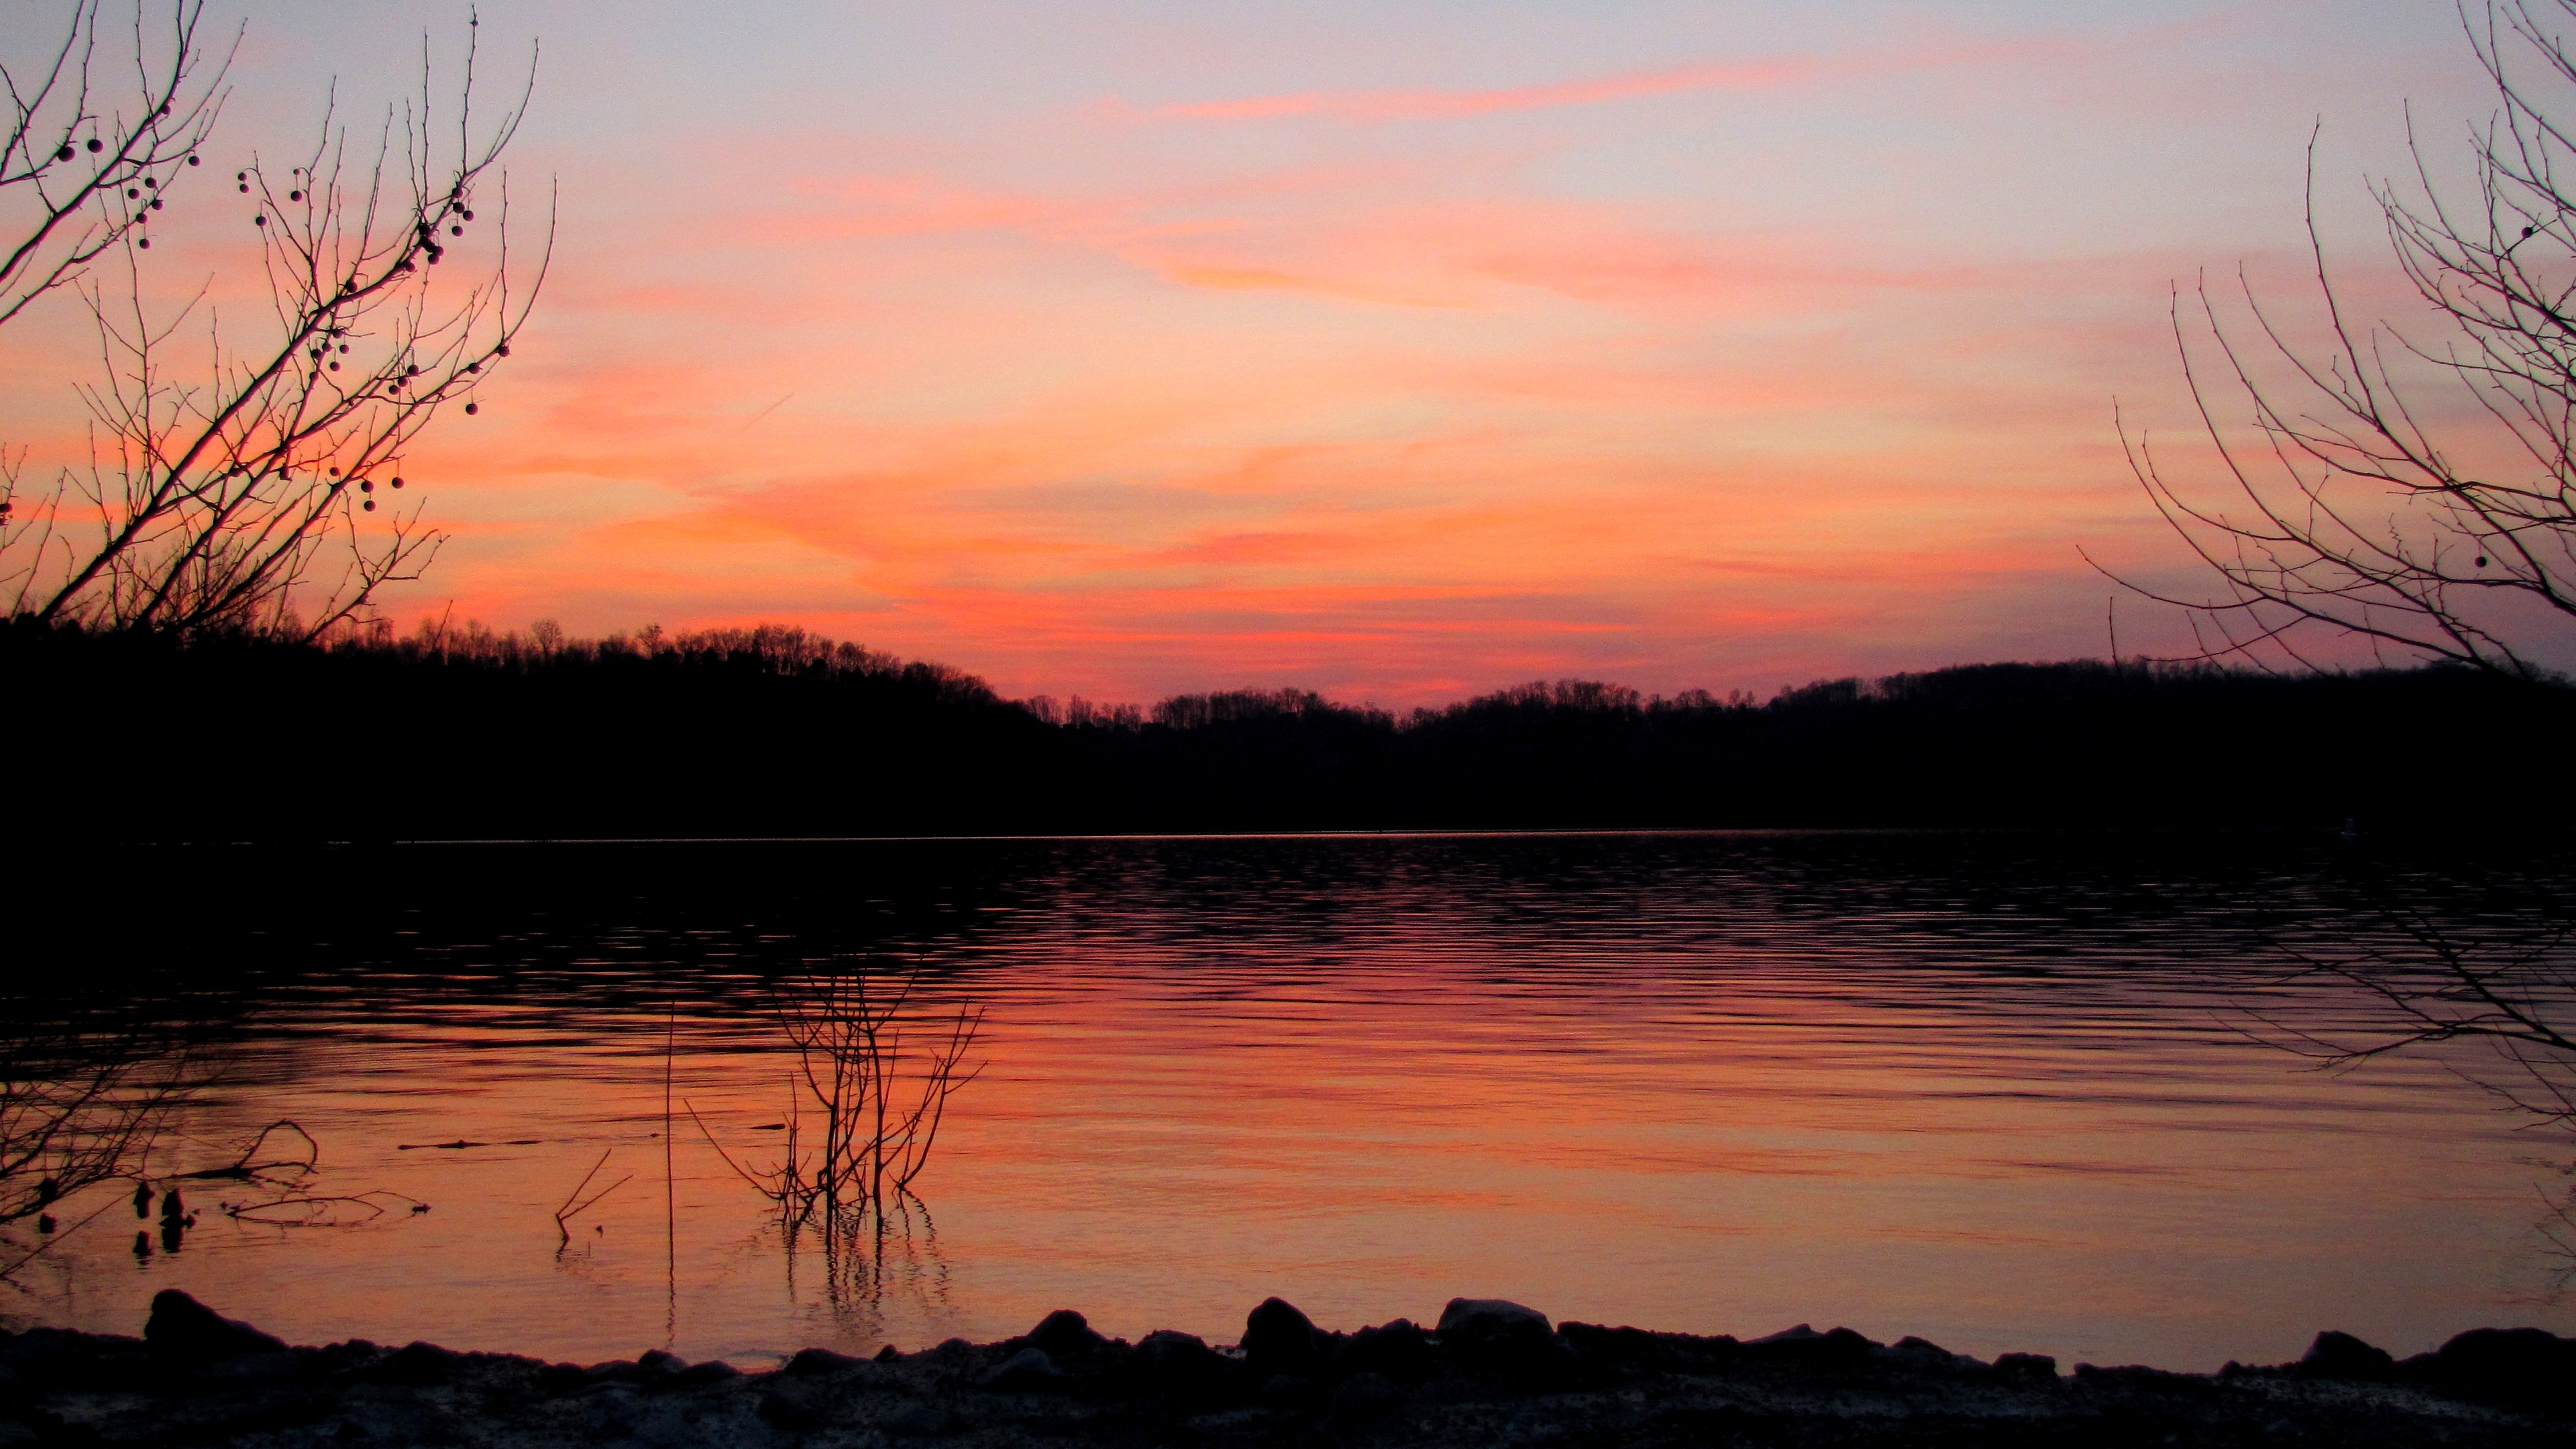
(1118, 433)
(1746, 75)
(1262, 279)
(1441, 105)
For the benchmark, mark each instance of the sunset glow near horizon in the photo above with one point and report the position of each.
(1398, 351)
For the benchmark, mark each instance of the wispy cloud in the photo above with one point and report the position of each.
(1424, 105)
(1263, 279)
(1768, 73)
(1135, 409)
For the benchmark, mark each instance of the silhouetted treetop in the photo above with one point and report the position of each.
(780, 650)
(773, 730)
(1254, 706)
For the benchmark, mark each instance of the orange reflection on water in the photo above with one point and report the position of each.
(1687, 1097)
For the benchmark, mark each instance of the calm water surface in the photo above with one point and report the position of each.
(1994, 1090)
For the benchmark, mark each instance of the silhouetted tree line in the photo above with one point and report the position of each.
(463, 733)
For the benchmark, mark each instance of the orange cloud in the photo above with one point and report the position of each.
(1117, 426)
(1257, 279)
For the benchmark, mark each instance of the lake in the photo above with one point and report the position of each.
(2005, 1091)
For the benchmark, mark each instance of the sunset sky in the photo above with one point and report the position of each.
(1399, 350)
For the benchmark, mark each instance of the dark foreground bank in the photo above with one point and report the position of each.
(1491, 1373)
(773, 732)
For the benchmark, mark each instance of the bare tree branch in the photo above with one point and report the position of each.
(2413, 493)
(86, 159)
(232, 475)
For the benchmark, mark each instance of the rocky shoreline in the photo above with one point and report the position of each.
(1490, 1373)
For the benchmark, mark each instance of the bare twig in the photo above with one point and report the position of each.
(80, 1105)
(44, 1241)
(249, 1167)
(575, 1204)
(2337, 510)
(321, 1210)
(232, 481)
(2507, 983)
(877, 1094)
(86, 158)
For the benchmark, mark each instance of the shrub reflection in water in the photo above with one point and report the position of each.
(872, 1077)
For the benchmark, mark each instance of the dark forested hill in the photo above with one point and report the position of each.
(774, 732)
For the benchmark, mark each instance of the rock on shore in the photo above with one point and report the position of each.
(1490, 1373)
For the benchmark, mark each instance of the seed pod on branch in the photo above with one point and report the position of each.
(57, 200)
(220, 498)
